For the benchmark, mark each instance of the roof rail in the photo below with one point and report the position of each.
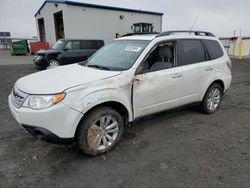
(198, 33)
(131, 34)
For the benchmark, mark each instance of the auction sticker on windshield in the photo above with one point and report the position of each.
(133, 48)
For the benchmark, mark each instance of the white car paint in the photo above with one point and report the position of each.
(140, 94)
(57, 80)
(149, 88)
(60, 119)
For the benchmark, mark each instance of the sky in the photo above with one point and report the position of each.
(220, 17)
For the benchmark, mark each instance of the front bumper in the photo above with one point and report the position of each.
(42, 62)
(46, 135)
(57, 123)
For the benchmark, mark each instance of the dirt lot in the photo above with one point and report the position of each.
(181, 148)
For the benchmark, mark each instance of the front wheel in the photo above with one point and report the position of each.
(100, 131)
(54, 63)
(212, 99)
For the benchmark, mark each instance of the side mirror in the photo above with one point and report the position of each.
(65, 49)
(140, 69)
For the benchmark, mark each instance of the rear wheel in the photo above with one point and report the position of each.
(100, 131)
(212, 99)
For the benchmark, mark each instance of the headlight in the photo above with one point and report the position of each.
(38, 58)
(44, 101)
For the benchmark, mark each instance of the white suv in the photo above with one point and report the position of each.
(131, 77)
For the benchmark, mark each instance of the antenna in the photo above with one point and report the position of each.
(234, 32)
(191, 28)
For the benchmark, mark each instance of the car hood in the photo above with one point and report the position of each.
(58, 79)
(50, 51)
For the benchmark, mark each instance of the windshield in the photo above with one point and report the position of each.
(58, 45)
(118, 55)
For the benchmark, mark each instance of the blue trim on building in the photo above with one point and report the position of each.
(97, 6)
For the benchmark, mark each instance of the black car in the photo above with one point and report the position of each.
(67, 51)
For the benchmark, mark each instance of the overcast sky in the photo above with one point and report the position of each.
(221, 17)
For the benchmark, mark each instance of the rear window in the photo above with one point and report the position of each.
(214, 49)
(190, 52)
(91, 45)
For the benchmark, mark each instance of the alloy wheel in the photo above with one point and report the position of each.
(214, 98)
(53, 63)
(103, 133)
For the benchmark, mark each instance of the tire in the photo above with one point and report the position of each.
(90, 134)
(40, 67)
(212, 99)
(54, 63)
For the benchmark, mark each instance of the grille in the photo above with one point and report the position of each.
(18, 97)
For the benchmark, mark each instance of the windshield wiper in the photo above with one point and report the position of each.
(98, 66)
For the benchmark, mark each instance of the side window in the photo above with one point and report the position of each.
(99, 44)
(95, 44)
(162, 57)
(190, 52)
(214, 49)
(73, 45)
(91, 45)
(85, 45)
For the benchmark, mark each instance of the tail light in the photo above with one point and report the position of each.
(229, 64)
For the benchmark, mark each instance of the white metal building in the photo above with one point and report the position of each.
(237, 47)
(67, 19)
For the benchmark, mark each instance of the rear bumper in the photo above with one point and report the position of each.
(227, 82)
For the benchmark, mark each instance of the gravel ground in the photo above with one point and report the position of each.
(178, 148)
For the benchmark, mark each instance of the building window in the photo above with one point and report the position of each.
(143, 28)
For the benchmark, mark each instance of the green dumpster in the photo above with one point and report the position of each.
(19, 47)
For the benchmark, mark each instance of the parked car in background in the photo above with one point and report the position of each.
(67, 51)
(131, 77)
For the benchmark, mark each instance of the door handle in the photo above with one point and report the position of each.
(209, 68)
(176, 75)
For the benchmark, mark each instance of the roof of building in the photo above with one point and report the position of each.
(73, 3)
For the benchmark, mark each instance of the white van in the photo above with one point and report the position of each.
(131, 77)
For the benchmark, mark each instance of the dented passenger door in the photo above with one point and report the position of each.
(157, 91)
(157, 83)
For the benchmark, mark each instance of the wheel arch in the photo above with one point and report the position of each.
(218, 81)
(119, 107)
(53, 56)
